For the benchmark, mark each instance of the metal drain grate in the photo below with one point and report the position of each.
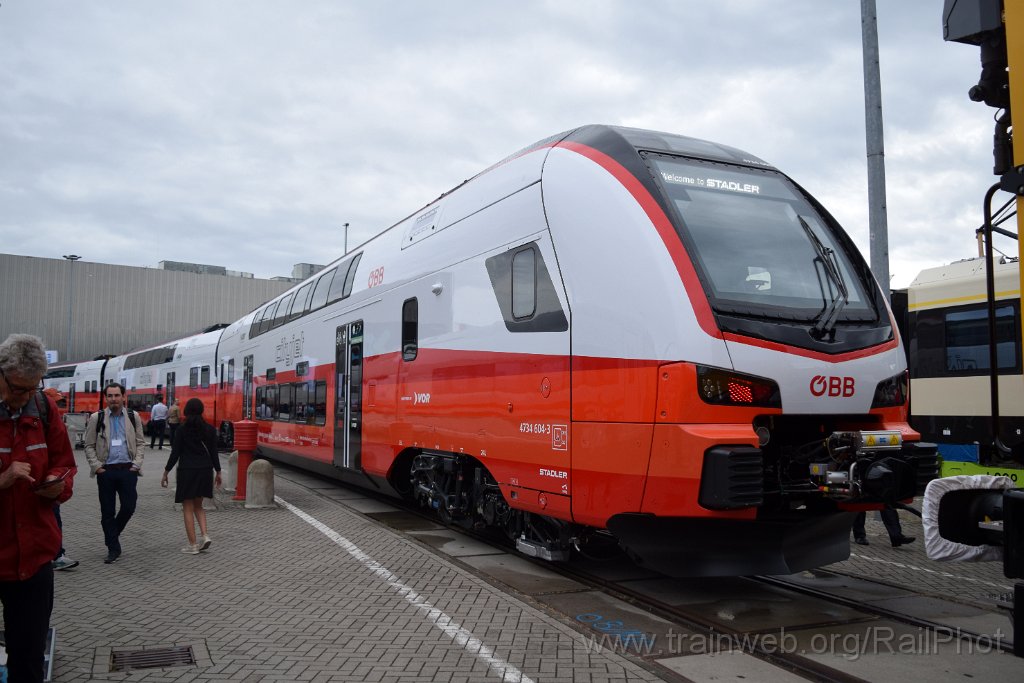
(152, 659)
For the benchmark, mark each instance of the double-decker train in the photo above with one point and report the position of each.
(611, 331)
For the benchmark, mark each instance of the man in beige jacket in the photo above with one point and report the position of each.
(113, 447)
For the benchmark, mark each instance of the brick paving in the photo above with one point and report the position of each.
(276, 600)
(976, 583)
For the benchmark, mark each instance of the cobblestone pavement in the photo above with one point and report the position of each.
(277, 599)
(976, 583)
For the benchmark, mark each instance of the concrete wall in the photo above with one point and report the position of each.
(117, 308)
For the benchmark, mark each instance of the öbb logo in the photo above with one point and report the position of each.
(832, 385)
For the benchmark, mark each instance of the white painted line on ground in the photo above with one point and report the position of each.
(947, 575)
(452, 629)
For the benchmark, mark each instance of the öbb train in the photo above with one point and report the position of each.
(611, 331)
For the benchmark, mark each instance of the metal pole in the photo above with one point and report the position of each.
(878, 226)
(71, 299)
(346, 239)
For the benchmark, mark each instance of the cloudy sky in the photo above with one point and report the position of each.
(246, 133)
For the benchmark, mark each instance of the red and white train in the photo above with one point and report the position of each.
(613, 330)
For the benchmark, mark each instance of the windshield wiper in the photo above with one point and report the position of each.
(839, 298)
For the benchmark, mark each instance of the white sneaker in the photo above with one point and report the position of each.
(64, 562)
(207, 542)
(191, 549)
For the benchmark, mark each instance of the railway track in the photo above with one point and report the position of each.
(785, 623)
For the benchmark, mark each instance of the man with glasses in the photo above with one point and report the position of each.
(37, 467)
(114, 445)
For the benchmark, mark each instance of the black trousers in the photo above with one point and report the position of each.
(27, 607)
(890, 518)
(156, 428)
(112, 485)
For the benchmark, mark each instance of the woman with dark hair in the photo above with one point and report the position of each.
(194, 449)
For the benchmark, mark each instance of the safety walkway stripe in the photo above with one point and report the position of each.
(451, 628)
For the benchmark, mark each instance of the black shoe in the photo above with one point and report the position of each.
(112, 557)
(861, 540)
(902, 540)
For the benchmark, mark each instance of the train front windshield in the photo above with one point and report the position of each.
(762, 250)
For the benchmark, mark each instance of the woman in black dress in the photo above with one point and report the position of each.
(194, 449)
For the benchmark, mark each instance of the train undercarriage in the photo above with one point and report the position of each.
(805, 494)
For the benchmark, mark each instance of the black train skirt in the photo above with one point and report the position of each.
(194, 483)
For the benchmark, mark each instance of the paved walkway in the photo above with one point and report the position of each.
(312, 591)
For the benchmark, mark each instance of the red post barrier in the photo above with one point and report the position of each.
(245, 443)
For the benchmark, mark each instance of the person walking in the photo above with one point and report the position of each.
(157, 421)
(114, 445)
(37, 468)
(194, 450)
(891, 519)
(173, 418)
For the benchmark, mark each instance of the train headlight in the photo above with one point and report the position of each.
(892, 392)
(724, 387)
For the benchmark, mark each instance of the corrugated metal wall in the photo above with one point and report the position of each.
(117, 308)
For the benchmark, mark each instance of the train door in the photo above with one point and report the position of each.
(247, 387)
(348, 410)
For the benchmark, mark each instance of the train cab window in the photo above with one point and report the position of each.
(410, 329)
(193, 378)
(301, 298)
(285, 401)
(282, 311)
(524, 284)
(351, 275)
(323, 287)
(204, 377)
(320, 406)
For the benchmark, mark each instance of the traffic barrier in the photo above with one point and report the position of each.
(230, 479)
(245, 442)
(260, 485)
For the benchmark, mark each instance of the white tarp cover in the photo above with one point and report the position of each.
(936, 546)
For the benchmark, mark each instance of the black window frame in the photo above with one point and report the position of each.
(410, 329)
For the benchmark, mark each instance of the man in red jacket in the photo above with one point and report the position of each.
(37, 467)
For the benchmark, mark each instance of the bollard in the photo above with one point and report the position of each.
(260, 485)
(245, 442)
(230, 473)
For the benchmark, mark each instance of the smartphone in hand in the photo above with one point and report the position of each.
(51, 482)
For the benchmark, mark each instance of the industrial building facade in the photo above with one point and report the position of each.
(82, 309)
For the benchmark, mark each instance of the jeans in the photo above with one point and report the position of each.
(27, 607)
(113, 485)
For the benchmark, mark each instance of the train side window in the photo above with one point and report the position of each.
(967, 340)
(254, 327)
(271, 401)
(204, 377)
(231, 372)
(323, 286)
(282, 311)
(320, 409)
(223, 375)
(285, 398)
(338, 285)
(301, 403)
(524, 291)
(410, 329)
(299, 304)
(524, 283)
(351, 275)
(268, 317)
(193, 378)
(261, 403)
